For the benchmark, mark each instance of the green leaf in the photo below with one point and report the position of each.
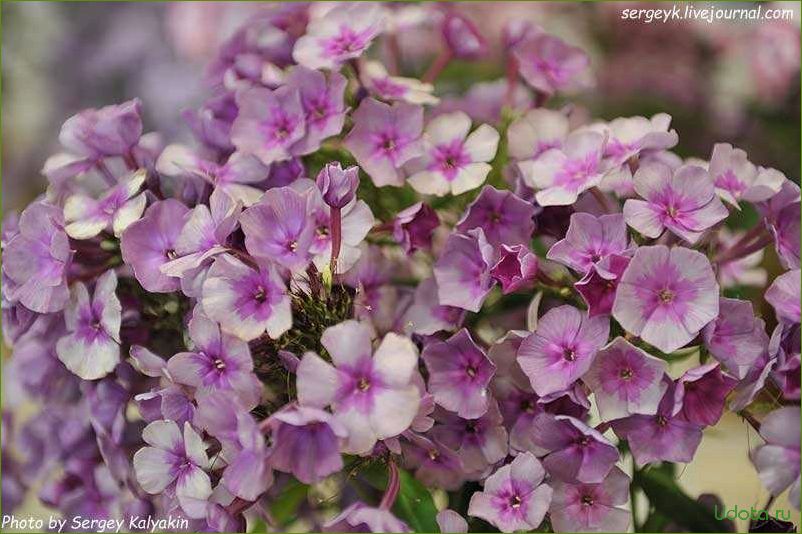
(414, 504)
(670, 501)
(285, 507)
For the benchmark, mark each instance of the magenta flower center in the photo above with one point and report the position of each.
(569, 354)
(219, 364)
(666, 296)
(347, 42)
(450, 158)
(587, 500)
(729, 181)
(626, 373)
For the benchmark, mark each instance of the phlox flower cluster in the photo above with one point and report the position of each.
(344, 290)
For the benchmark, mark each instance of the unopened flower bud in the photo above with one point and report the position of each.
(338, 185)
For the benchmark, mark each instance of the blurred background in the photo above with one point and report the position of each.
(729, 81)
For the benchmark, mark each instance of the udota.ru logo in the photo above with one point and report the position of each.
(752, 514)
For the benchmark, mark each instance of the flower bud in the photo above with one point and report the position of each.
(462, 37)
(338, 185)
(108, 131)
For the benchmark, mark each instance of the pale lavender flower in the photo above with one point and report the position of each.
(702, 391)
(174, 461)
(341, 34)
(426, 315)
(516, 267)
(91, 349)
(504, 217)
(278, 228)
(248, 473)
(246, 301)
(106, 132)
(376, 79)
(549, 65)
(384, 138)
(237, 177)
(626, 380)
(736, 178)
(598, 286)
(589, 240)
(372, 395)
(746, 271)
(269, 123)
(359, 517)
(683, 201)
(665, 436)
(784, 296)
(571, 450)
(459, 373)
(666, 296)
(514, 497)
(629, 137)
(536, 132)
(36, 260)
(150, 242)
(561, 174)
(453, 161)
(463, 270)
(413, 227)
(736, 338)
(434, 463)
(562, 348)
(451, 521)
(480, 442)
(786, 231)
(337, 185)
(306, 443)
(323, 105)
(591, 507)
(216, 362)
(777, 461)
(117, 208)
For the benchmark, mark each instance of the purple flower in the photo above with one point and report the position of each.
(786, 231)
(269, 123)
(434, 463)
(306, 442)
(173, 460)
(515, 268)
(626, 380)
(359, 517)
(702, 391)
(684, 202)
(504, 217)
(562, 348)
(572, 450)
(462, 37)
(36, 260)
(736, 338)
(99, 133)
(372, 396)
(463, 270)
(453, 161)
(150, 242)
(322, 102)
(598, 286)
(591, 507)
(118, 207)
(338, 185)
(343, 33)
(211, 123)
(628, 137)
(549, 65)
(395, 88)
(664, 436)
(666, 296)
(91, 349)
(736, 178)
(247, 302)
(426, 315)
(784, 296)
(514, 497)
(561, 174)
(278, 228)
(536, 132)
(248, 473)
(589, 240)
(451, 521)
(413, 227)
(459, 373)
(777, 461)
(217, 362)
(238, 177)
(480, 442)
(384, 138)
